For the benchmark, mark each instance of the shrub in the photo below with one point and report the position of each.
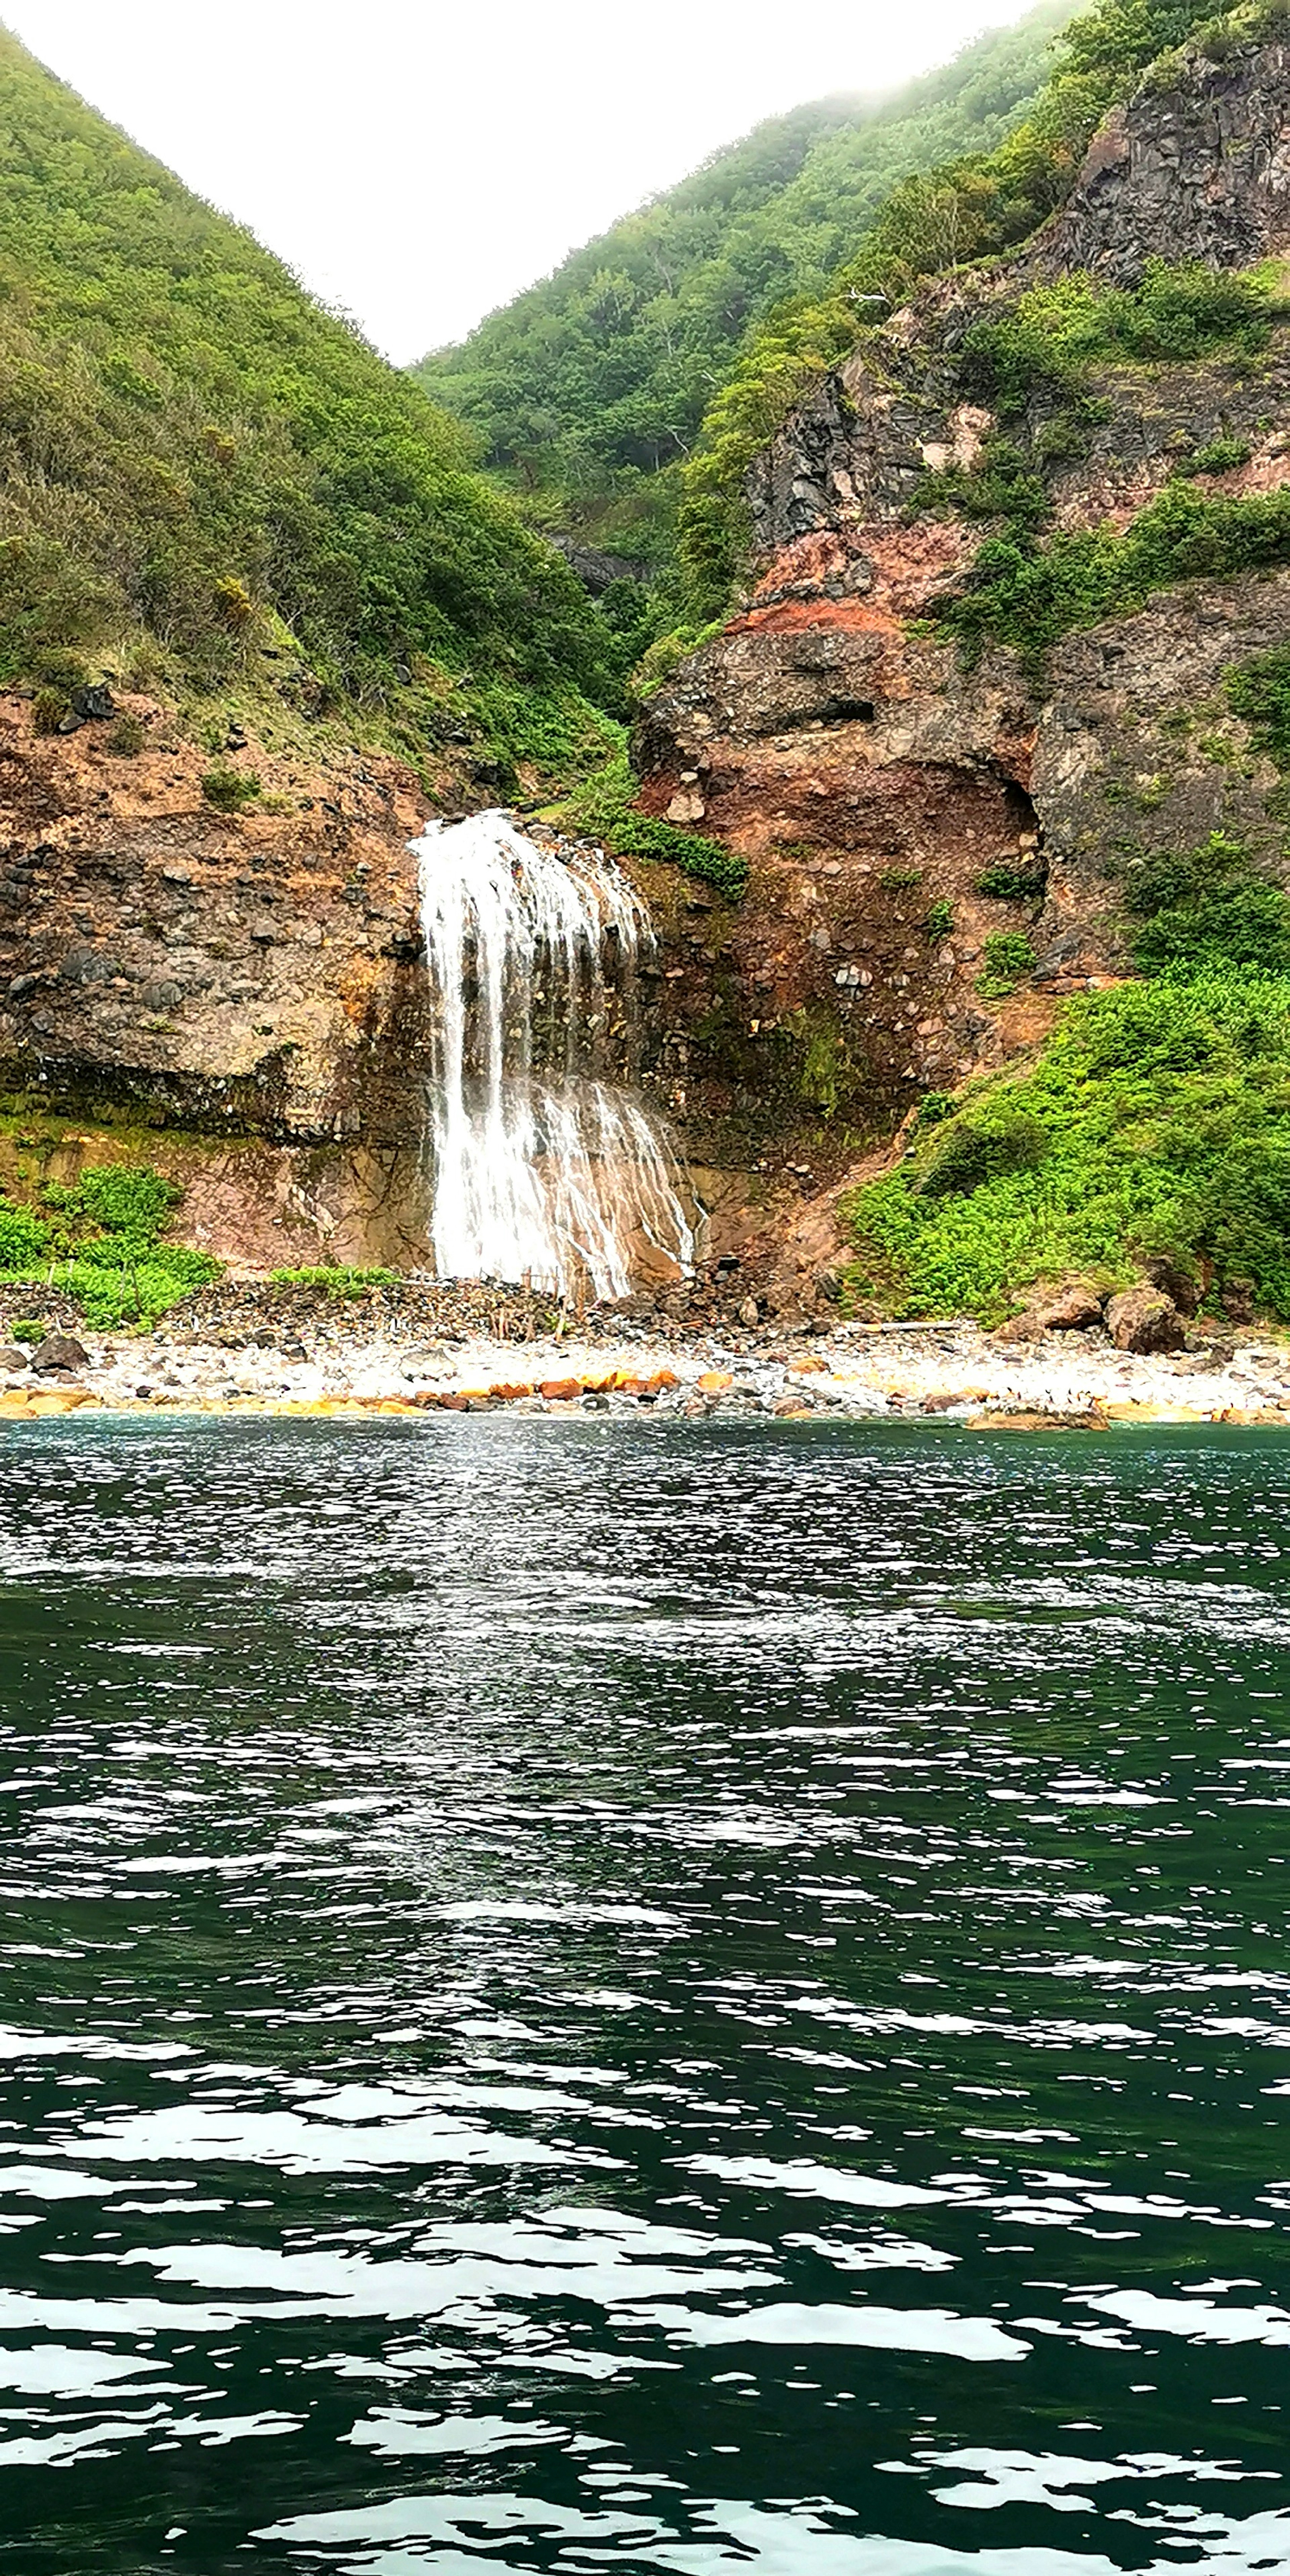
(980, 1147)
(1165, 1115)
(1007, 882)
(1259, 692)
(121, 1199)
(229, 789)
(1207, 907)
(24, 1240)
(1007, 959)
(101, 1244)
(233, 601)
(1220, 455)
(938, 921)
(1031, 597)
(127, 737)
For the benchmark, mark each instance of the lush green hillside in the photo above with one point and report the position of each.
(585, 387)
(207, 477)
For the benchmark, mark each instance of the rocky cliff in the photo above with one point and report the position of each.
(941, 819)
(244, 979)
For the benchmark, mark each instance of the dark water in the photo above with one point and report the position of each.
(687, 1999)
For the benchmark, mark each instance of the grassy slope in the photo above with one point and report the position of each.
(593, 381)
(205, 475)
(1155, 1121)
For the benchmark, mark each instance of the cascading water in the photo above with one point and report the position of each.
(558, 1178)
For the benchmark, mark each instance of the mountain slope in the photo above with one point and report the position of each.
(206, 475)
(599, 376)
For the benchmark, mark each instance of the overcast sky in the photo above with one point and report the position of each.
(419, 163)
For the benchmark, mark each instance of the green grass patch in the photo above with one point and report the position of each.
(1156, 1121)
(602, 809)
(229, 789)
(1013, 882)
(101, 1241)
(1007, 959)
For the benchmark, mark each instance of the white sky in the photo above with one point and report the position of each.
(419, 161)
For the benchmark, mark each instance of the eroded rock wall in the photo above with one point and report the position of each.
(870, 773)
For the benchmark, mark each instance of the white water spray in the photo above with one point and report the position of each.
(561, 1179)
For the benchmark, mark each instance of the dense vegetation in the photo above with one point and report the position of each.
(1155, 1122)
(586, 390)
(207, 477)
(102, 1241)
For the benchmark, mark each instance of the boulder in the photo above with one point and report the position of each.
(1024, 1327)
(13, 1356)
(1144, 1319)
(1175, 1282)
(1074, 1308)
(59, 1351)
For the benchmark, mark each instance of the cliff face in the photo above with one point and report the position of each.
(248, 977)
(1195, 167)
(898, 803)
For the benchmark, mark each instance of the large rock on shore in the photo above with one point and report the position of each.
(1144, 1319)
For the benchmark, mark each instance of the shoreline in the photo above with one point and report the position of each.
(357, 1368)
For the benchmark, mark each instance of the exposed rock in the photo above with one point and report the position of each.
(13, 1356)
(94, 703)
(1074, 1308)
(59, 1351)
(871, 779)
(1025, 1327)
(1175, 1282)
(596, 570)
(1144, 1319)
(1193, 169)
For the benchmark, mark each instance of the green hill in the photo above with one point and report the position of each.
(205, 477)
(589, 384)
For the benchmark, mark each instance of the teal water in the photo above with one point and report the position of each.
(688, 1998)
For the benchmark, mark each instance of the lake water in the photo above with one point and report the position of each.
(687, 1998)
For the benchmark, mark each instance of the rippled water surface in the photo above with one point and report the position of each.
(675, 1999)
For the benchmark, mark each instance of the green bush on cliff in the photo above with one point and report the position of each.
(1209, 907)
(102, 1244)
(602, 809)
(1053, 335)
(1156, 1120)
(1259, 692)
(1031, 598)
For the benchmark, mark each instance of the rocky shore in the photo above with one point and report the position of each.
(418, 1349)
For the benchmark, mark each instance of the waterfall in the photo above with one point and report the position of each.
(544, 1169)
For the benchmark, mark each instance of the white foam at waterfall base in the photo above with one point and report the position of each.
(555, 1178)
